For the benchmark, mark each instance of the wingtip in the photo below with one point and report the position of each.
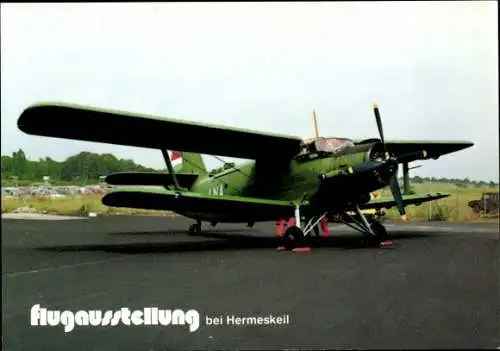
(22, 120)
(28, 112)
(29, 120)
(466, 143)
(43, 104)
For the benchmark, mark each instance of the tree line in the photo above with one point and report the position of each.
(87, 167)
(458, 182)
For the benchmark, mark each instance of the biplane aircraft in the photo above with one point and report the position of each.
(287, 177)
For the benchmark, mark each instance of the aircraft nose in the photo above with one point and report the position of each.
(384, 171)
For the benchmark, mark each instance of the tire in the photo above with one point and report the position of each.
(294, 237)
(194, 229)
(379, 230)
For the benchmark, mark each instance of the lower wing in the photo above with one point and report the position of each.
(206, 207)
(417, 199)
(186, 180)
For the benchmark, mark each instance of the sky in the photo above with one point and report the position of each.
(431, 66)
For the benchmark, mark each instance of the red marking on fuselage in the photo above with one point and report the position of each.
(175, 155)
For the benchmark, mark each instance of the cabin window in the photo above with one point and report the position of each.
(322, 147)
(332, 145)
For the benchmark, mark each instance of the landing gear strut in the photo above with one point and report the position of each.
(373, 229)
(195, 228)
(295, 236)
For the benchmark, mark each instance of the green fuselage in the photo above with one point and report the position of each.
(302, 177)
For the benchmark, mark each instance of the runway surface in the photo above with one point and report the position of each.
(436, 288)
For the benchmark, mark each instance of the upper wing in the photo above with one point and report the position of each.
(433, 148)
(388, 202)
(71, 121)
(236, 207)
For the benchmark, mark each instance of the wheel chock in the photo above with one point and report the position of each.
(302, 249)
(386, 243)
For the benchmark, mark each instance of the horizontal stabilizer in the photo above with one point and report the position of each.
(151, 179)
(417, 199)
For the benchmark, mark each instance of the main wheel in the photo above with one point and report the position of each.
(380, 231)
(294, 237)
(194, 229)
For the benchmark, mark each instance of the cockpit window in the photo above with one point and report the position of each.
(314, 148)
(332, 145)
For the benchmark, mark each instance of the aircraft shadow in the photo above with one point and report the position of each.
(172, 232)
(222, 242)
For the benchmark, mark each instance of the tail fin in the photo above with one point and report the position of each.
(187, 162)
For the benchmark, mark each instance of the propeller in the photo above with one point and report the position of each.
(394, 161)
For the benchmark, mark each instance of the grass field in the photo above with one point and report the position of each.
(78, 205)
(452, 208)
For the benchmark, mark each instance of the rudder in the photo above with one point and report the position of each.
(187, 162)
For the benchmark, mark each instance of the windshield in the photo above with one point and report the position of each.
(332, 144)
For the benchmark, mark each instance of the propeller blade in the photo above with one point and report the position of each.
(379, 126)
(396, 193)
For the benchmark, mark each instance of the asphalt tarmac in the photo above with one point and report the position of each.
(437, 287)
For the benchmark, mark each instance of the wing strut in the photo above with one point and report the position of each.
(170, 168)
(406, 179)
